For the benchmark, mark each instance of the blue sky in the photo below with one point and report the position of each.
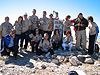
(15, 8)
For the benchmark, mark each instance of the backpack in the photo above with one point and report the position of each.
(96, 48)
(8, 40)
(97, 30)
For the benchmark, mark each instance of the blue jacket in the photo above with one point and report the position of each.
(9, 41)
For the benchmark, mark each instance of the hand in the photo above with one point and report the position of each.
(79, 24)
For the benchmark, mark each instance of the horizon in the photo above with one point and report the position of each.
(16, 8)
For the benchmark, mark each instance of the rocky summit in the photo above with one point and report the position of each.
(62, 62)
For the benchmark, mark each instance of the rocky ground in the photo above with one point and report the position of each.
(61, 63)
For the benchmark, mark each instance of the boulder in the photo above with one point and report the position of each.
(55, 61)
(43, 66)
(89, 61)
(30, 65)
(97, 63)
(81, 58)
(74, 61)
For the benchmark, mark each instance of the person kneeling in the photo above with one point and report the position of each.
(35, 39)
(9, 44)
(67, 41)
(56, 40)
(45, 46)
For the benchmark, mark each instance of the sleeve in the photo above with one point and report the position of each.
(0, 31)
(11, 26)
(40, 44)
(0, 27)
(30, 21)
(50, 44)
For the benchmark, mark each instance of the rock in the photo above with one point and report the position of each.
(45, 60)
(84, 52)
(35, 57)
(81, 58)
(95, 56)
(97, 63)
(62, 59)
(55, 61)
(41, 57)
(74, 61)
(30, 65)
(43, 67)
(89, 61)
(1, 71)
(66, 60)
(58, 57)
(87, 56)
(54, 56)
(10, 66)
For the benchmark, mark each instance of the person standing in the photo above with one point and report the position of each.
(34, 22)
(5, 29)
(67, 24)
(80, 26)
(92, 35)
(44, 23)
(50, 25)
(25, 31)
(18, 32)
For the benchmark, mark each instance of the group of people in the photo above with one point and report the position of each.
(43, 36)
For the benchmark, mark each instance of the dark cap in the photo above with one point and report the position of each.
(80, 14)
(51, 15)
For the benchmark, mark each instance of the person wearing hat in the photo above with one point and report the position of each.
(44, 23)
(80, 26)
(5, 29)
(25, 30)
(67, 24)
(34, 22)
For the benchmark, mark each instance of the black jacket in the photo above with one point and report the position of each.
(84, 23)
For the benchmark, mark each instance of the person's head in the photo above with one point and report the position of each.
(56, 32)
(44, 13)
(7, 19)
(80, 15)
(34, 11)
(72, 73)
(36, 31)
(25, 16)
(46, 36)
(68, 33)
(20, 19)
(68, 17)
(51, 15)
(90, 19)
(12, 32)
